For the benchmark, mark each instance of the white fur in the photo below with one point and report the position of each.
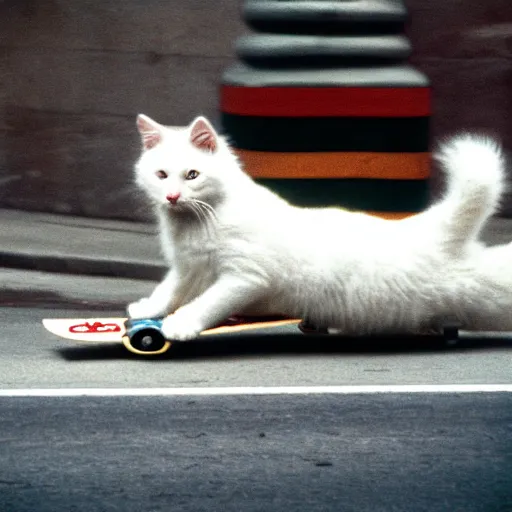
(244, 250)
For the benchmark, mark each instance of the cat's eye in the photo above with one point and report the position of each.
(192, 174)
(161, 175)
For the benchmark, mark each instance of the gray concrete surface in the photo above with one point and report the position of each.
(78, 245)
(46, 289)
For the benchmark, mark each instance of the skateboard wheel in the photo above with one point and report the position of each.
(145, 337)
(148, 340)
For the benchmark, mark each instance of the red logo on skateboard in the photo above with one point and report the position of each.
(96, 327)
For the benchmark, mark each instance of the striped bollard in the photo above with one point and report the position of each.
(323, 108)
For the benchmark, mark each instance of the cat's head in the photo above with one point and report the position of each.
(181, 166)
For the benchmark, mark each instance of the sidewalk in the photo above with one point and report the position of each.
(77, 262)
(73, 262)
(77, 245)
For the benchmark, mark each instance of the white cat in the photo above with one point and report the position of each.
(234, 247)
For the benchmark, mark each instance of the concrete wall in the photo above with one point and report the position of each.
(74, 73)
(465, 47)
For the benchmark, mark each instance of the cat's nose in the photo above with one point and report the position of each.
(173, 198)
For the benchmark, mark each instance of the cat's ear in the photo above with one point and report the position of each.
(150, 131)
(203, 135)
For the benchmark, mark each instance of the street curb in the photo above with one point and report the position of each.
(82, 265)
(48, 299)
(33, 288)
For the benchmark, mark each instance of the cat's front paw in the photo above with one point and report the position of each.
(181, 327)
(145, 308)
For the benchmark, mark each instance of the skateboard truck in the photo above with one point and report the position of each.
(309, 328)
(451, 328)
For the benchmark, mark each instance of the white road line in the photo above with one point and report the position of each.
(286, 390)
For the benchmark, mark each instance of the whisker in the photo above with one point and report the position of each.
(197, 212)
(207, 207)
(205, 214)
(209, 214)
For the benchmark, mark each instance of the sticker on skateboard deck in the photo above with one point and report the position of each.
(145, 337)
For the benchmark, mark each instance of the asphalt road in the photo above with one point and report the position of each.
(322, 452)
(30, 357)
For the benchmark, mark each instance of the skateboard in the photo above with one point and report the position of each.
(144, 337)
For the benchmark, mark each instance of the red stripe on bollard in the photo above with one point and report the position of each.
(326, 101)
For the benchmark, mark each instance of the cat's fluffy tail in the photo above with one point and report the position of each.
(475, 170)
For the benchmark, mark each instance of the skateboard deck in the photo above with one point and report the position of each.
(144, 337)
(139, 337)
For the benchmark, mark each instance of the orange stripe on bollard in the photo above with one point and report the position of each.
(392, 166)
(390, 215)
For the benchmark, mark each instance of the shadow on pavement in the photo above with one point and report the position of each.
(94, 351)
(238, 345)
